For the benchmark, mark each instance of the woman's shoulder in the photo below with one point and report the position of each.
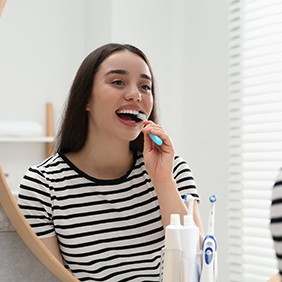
(278, 179)
(49, 165)
(178, 158)
(180, 162)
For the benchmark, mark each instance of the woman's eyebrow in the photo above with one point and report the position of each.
(118, 71)
(124, 72)
(145, 76)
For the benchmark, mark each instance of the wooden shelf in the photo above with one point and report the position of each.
(39, 139)
(47, 140)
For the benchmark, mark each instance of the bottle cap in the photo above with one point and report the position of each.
(188, 220)
(174, 219)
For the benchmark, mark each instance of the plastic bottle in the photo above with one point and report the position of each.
(190, 245)
(172, 250)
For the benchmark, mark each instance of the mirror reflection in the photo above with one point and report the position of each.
(42, 47)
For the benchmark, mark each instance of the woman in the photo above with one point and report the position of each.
(101, 203)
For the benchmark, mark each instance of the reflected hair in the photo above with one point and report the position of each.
(73, 130)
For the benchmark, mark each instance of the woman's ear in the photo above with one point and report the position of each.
(87, 108)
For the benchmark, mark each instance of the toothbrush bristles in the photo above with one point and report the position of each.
(142, 116)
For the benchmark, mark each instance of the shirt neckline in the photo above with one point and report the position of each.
(97, 180)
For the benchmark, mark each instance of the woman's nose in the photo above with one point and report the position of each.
(133, 94)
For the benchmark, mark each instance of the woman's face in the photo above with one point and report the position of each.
(121, 89)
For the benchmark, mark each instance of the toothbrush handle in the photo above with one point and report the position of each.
(157, 140)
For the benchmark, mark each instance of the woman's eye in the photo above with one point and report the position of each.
(146, 87)
(118, 82)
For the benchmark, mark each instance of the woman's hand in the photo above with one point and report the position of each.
(158, 159)
(159, 164)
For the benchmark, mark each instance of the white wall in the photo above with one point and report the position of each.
(207, 109)
(43, 42)
(41, 46)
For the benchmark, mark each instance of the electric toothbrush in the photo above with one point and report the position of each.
(156, 139)
(209, 248)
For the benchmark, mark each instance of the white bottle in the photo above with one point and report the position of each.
(172, 250)
(190, 245)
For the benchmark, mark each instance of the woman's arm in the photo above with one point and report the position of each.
(170, 200)
(53, 246)
(159, 165)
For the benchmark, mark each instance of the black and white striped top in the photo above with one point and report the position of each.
(108, 230)
(276, 219)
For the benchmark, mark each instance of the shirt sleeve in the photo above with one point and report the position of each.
(184, 179)
(34, 200)
(276, 220)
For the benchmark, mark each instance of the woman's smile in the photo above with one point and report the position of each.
(129, 117)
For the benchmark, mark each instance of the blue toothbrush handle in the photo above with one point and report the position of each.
(156, 139)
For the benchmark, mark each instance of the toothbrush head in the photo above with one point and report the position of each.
(212, 198)
(156, 139)
(188, 198)
(189, 202)
(142, 116)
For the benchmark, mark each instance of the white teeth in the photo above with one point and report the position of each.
(132, 112)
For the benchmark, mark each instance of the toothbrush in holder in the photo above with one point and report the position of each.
(156, 139)
(209, 263)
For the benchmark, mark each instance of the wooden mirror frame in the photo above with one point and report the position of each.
(22, 227)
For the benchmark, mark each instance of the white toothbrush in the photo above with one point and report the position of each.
(209, 248)
(154, 137)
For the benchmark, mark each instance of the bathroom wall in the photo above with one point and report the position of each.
(41, 45)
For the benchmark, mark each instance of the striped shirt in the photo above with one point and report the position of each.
(276, 219)
(108, 230)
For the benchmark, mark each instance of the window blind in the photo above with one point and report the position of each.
(255, 151)
(235, 143)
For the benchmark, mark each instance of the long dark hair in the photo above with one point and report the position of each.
(73, 131)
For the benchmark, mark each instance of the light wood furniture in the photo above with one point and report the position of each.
(28, 236)
(49, 129)
(275, 278)
(2, 5)
(48, 139)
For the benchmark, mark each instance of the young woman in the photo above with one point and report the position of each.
(101, 203)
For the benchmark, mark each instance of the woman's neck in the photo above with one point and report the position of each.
(103, 161)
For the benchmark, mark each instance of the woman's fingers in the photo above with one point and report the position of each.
(154, 129)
